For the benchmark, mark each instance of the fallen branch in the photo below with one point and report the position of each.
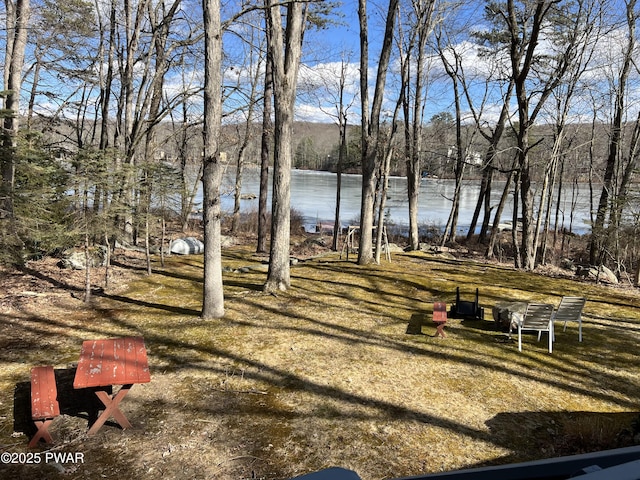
(250, 391)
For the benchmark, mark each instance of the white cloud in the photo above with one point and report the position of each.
(327, 76)
(311, 113)
(319, 90)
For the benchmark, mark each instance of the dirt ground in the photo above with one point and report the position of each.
(319, 376)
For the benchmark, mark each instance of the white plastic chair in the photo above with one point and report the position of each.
(570, 310)
(538, 318)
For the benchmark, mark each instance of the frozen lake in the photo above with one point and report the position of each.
(313, 194)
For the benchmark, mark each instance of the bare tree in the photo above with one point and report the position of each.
(213, 296)
(342, 109)
(254, 72)
(285, 49)
(600, 234)
(452, 62)
(493, 136)
(265, 152)
(414, 97)
(585, 39)
(371, 122)
(188, 146)
(331, 93)
(17, 18)
(535, 75)
(388, 150)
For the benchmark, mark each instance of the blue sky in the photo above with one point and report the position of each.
(324, 49)
(344, 35)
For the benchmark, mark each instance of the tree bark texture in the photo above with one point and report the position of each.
(598, 231)
(213, 296)
(17, 20)
(285, 53)
(371, 124)
(265, 154)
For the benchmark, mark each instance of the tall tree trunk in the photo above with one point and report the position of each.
(483, 195)
(383, 200)
(522, 48)
(265, 153)
(342, 126)
(106, 81)
(188, 190)
(384, 176)
(490, 251)
(160, 28)
(133, 23)
(486, 219)
(622, 197)
(255, 71)
(212, 295)
(286, 53)
(371, 123)
(423, 10)
(559, 214)
(598, 231)
(515, 221)
(237, 190)
(494, 138)
(17, 20)
(453, 73)
(452, 221)
(546, 233)
(87, 269)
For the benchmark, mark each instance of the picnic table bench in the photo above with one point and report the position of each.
(440, 318)
(44, 402)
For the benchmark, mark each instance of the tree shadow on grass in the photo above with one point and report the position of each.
(534, 435)
(420, 319)
(416, 322)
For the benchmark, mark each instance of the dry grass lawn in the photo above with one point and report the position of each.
(322, 375)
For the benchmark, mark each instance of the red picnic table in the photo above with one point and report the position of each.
(109, 362)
